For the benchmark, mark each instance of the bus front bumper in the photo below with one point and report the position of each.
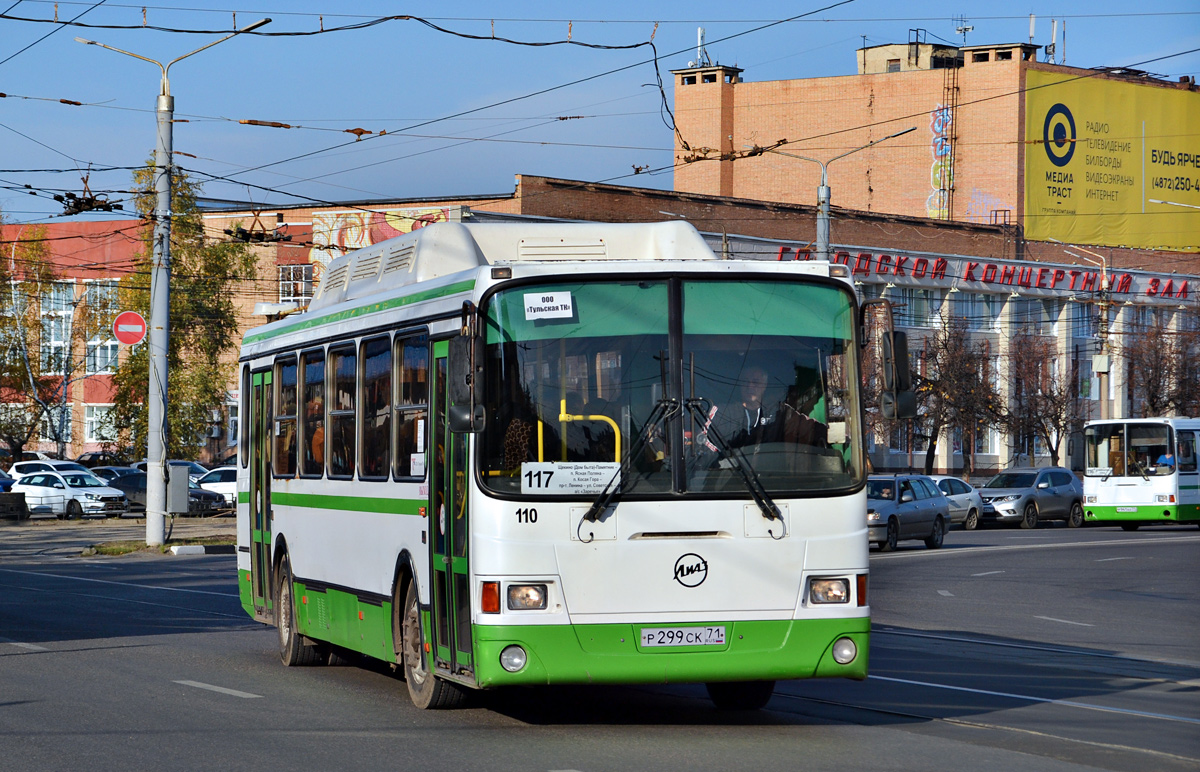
(614, 654)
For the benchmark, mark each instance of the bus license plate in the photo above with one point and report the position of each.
(683, 636)
(1127, 509)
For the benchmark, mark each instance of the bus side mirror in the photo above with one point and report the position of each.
(465, 372)
(897, 399)
(896, 374)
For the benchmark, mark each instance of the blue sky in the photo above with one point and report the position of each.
(408, 79)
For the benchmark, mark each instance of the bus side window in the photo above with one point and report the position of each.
(411, 404)
(313, 459)
(1187, 452)
(339, 437)
(285, 417)
(375, 396)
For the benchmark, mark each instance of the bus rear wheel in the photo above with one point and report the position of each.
(293, 651)
(740, 695)
(426, 690)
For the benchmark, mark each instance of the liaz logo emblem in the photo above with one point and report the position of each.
(691, 570)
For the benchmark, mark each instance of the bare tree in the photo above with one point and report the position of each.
(1043, 403)
(954, 388)
(1163, 365)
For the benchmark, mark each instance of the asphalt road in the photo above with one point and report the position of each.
(1056, 649)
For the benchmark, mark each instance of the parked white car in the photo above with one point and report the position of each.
(965, 501)
(70, 494)
(222, 480)
(22, 468)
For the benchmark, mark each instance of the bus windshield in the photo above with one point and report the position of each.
(687, 373)
(1129, 450)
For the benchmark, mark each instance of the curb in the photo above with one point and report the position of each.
(203, 549)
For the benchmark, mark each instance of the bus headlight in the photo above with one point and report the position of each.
(526, 597)
(1089, 499)
(1162, 498)
(844, 651)
(829, 591)
(513, 658)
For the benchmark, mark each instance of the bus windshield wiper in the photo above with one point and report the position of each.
(1137, 465)
(663, 409)
(745, 469)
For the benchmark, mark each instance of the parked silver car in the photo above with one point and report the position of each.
(965, 501)
(906, 506)
(1028, 495)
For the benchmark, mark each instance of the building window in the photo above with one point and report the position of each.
(97, 426)
(231, 429)
(296, 284)
(893, 65)
(57, 307)
(56, 419)
(1004, 56)
(687, 80)
(1084, 317)
(918, 307)
(980, 57)
(101, 297)
(1036, 315)
(101, 356)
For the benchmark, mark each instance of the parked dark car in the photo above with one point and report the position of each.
(200, 501)
(195, 471)
(906, 506)
(94, 458)
(1028, 495)
(112, 472)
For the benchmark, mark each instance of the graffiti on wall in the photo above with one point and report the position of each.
(941, 173)
(336, 233)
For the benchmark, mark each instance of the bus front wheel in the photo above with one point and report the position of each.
(424, 688)
(293, 651)
(740, 695)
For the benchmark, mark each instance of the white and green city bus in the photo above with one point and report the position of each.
(512, 454)
(1141, 471)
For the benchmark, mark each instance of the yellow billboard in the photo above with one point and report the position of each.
(1111, 163)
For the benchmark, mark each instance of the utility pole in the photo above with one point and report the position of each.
(823, 192)
(160, 294)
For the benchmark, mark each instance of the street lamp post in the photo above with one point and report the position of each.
(823, 191)
(1101, 364)
(160, 293)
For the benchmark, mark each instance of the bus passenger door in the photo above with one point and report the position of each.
(448, 480)
(260, 492)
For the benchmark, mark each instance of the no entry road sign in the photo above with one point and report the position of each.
(129, 327)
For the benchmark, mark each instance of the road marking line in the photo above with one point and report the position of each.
(1106, 560)
(1044, 700)
(988, 573)
(952, 550)
(946, 593)
(221, 689)
(1064, 621)
(121, 584)
(20, 645)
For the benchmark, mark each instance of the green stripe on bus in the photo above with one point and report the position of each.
(371, 308)
(390, 506)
